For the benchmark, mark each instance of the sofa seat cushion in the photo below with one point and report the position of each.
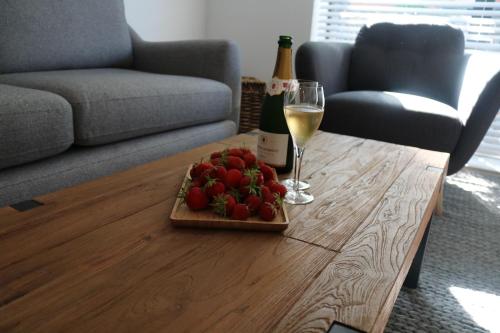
(33, 124)
(111, 105)
(393, 117)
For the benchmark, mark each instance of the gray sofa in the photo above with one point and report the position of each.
(401, 84)
(82, 96)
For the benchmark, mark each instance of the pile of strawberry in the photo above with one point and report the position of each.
(234, 184)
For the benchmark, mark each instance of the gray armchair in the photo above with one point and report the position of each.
(401, 84)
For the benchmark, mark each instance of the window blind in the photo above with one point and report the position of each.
(340, 20)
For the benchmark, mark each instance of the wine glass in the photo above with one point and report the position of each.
(303, 185)
(304, 105)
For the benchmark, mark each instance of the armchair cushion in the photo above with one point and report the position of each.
(110, 105)
(393, 117)
(33, 125)
(325, 62)
(425, 60)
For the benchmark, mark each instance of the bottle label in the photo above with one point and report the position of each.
(278, 86)
(272, 148)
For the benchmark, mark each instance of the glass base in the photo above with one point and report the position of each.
(289, 184)
(298, 198)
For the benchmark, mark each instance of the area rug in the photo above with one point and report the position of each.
(459, 288)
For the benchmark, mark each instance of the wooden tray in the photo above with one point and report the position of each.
(181, 216)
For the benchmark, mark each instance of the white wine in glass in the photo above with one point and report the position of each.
(303, 121)
(303, 108)
(289, 182)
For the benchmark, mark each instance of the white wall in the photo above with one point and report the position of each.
(158, 20)
(255, 25)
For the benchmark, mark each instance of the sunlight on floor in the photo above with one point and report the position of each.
(487, 163)
(481, 306)
(485, 190)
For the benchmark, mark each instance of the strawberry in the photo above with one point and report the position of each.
(248, 186)
(245, 150)
(205, 176)
(216, 161)
(234, 162)
(268, 196)
(259, 179)
(235, 152)
(267, 171)
(214, 188)
(250, 160)
(267, 211)
(196, 199)
(215, 155)
(245, 185)
(218, 172)
(235, 193)
(275, 200)
(265, 193)
(233, 178)
(253, 201)
(240, 212)
(264, 190)
(199, 168)
(255, 175)
(196, 183)
(269, 183)
(223, 204)
(278, 188)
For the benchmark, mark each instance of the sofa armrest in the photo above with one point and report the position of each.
(327, 63)
(212, 59)
(482, 115)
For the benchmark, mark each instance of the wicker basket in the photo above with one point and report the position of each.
(252, 96)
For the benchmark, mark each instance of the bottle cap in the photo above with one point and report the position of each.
(285, 41)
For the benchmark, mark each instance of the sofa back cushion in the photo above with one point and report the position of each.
(63, 34)
(421, 59)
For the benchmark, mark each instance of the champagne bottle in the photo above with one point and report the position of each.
(275, 146)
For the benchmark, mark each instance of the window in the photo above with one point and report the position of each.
(341, 20)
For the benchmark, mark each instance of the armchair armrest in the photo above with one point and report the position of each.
(327, 63)
(482, 115)
(212, 59)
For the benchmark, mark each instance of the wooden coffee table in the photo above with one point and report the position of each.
(103, 256)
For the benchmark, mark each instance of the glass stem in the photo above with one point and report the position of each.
(299, 153)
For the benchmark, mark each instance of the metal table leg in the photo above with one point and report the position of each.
(411, 280)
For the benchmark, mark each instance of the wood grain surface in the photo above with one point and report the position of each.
(103, 256)
(141, 274)
(346, 190)
(359, 287)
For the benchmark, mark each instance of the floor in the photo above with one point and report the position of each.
(459, 287)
